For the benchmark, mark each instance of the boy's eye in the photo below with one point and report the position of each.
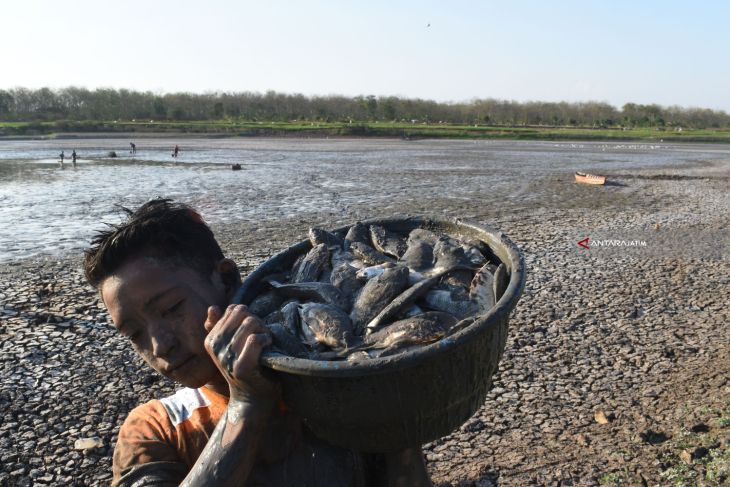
(174, 308)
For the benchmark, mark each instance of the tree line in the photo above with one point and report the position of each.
(76, 104)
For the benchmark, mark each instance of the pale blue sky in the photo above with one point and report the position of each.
(666, 52)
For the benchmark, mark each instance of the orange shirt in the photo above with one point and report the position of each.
(173, 429)
(162, 439)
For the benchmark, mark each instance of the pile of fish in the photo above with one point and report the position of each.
(375, 293)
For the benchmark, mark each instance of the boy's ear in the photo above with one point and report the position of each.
(230, 276)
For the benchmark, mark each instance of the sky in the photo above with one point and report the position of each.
(666, 52)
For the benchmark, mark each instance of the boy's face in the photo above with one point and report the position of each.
(161, 308)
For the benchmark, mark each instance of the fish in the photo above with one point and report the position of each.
(415, 277)
(417, 330)
(401, 302)
(345, 279)
(481, 292)
(340, 256)
(311, 266)
(326, 274)
(455, 302)
(265, 304)
(290, 317)
(377, 293)
(358, 357)
(459, 277)
(368, 254)
(387, 242)
(273, 317)
(358, 264)
(449, 255)
(292, 272)
(325, 324)
(317, 291)
(501, 281)
(474, 255)
(367, 273)
(357, 233)
(412, 310)
(422, 235)
(284, 341)
(318, 236)
(418, 256)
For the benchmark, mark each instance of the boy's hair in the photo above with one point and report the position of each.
(159, 228)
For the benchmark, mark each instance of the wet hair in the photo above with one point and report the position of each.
(160, 228)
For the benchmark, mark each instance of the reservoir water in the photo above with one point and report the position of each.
(49, 211)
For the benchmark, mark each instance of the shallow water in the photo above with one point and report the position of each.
(46, 210)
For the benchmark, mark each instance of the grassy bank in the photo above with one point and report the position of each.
(366, 129)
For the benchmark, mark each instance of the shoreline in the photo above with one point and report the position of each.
(223, 129)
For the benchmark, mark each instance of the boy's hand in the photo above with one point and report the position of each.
(235, 341)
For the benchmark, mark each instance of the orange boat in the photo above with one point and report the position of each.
(585, 178)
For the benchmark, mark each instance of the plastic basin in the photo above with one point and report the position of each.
(404, 400)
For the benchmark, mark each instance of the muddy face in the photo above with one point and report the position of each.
(161, 309)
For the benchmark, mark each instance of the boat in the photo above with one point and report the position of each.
(585, 178)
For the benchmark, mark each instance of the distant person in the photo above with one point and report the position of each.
(61, 155)
(176, 151)
(73, 158)
(134, 148)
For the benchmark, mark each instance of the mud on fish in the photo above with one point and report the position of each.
(372, 292)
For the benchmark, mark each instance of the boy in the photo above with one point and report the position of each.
(166, 284)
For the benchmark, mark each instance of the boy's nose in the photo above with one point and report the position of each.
(163, 341)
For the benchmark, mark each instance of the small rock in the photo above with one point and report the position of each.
(88, 443)
(685, 456)
(689, 455)
(601, 417)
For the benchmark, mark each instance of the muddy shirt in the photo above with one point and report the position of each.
(161, 440)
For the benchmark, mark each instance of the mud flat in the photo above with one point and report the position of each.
(616, 369)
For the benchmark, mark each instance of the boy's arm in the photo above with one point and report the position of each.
(406, 468)
(231, 451)
(235, 341)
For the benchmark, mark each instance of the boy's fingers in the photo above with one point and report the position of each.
(214, 314)
(250, 325)
(248, 360)
(223, 331)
